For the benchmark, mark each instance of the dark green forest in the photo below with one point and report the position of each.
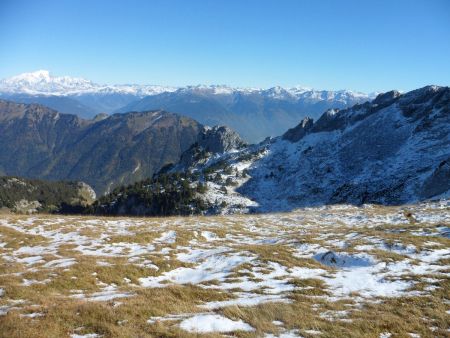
(163, 195)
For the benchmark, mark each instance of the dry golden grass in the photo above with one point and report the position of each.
(265, 238)
(63, 316)
(15, 239)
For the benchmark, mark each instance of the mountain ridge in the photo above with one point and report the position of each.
(38, 142)
(255, 114)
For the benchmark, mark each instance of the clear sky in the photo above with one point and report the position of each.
(359, 45)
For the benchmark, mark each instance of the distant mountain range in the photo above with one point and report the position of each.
(73, 95)
(254, 113)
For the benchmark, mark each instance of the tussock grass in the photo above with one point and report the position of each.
(280, 254)
(15, 239)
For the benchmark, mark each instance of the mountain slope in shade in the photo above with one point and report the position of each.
(63, 104)
(39, 142)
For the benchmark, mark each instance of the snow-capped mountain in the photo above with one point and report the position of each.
(393, 150)
(41, 82)
(277, 92)
(72, 95)
(253, 112)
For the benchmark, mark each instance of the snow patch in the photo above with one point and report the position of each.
(205, 323)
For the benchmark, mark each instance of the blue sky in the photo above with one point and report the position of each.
(358, 45)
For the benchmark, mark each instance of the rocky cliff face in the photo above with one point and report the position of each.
(210, 142)
(219, 139)
(39, 142)
(296, 133)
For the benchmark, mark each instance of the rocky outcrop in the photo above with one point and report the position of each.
(215, 140)
(298, 132)
(219, 139)
(332, 119)
(85, 196)
(100, 117)
(386, 98)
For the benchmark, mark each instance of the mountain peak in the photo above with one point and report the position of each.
(32, 76)
(44, 75)
(42, 82)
